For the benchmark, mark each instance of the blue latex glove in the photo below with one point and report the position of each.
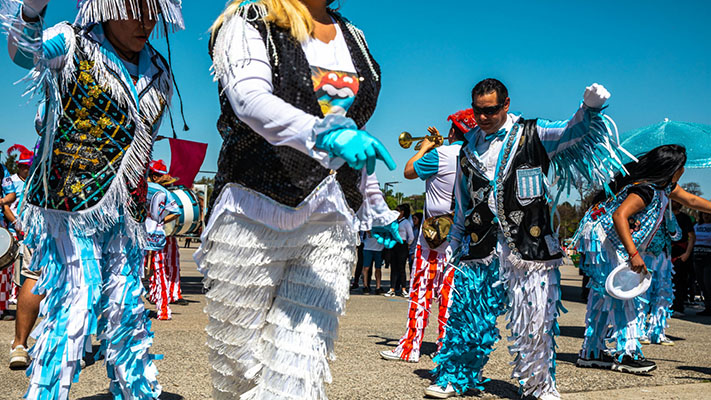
(358, 148)
(387, 235)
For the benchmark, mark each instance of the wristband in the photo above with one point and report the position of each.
(632, 256)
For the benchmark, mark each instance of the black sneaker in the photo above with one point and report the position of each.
(366, 290)
(604, 361)
(705, 313)
(638, 366)
(354, 286)
(379, 291)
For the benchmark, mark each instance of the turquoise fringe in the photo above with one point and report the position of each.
(478, 298)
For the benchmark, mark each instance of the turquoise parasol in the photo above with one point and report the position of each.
(695, 137)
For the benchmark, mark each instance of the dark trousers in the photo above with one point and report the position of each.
(702, 265)
(397, 273)
(681, 281)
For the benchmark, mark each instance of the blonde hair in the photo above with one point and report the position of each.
(288, 14)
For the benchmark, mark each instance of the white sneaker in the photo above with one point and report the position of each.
(549, 396)
(644, 340)
(393, 356)
(439, 392)
(19, 358)
(390, 293)
(665, 341)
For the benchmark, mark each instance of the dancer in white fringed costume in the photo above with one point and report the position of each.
(505, 250)
(618, 230)
(104, 91)
(297, 83)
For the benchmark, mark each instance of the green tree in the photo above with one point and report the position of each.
(11, 163)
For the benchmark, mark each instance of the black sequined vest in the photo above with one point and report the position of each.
(281, 172)
(522, 211)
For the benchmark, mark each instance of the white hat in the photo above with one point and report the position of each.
(625, 284)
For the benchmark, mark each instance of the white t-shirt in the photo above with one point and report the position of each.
(161, 204)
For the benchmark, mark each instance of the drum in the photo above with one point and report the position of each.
(9, 249)
(190, 220)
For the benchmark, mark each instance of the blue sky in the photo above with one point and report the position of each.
(653, 56)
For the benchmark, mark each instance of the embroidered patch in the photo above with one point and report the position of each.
(516, 217)
(529, 183)
(553, 244)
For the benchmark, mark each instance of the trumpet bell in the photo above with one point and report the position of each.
(405, 140)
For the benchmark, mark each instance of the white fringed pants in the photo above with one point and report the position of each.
(273, 304)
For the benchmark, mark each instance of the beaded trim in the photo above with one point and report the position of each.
(501, 212)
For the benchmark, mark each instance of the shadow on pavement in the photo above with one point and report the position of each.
(572, 293)
(577, 332)
(703, 370)
(191, 285)
(570, 358)
(496, 387)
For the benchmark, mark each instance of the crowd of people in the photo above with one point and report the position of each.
(297, 203)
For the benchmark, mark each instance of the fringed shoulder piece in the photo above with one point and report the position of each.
(168, 12)
(594, 160)
(233, 29)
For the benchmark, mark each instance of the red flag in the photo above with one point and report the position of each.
(186, 158)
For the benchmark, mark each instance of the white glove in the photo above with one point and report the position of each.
(595, 96)
(32, 8)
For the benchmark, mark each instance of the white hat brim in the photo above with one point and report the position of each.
(625, 284)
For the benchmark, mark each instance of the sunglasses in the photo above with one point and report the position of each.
(487, 110)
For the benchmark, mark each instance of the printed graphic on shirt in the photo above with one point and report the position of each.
(335, 90)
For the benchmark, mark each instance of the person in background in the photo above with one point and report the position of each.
(416, 225)
(702, 260)
(161, 257)
(372, 263)
(681, 252)
(8, 197)
(28, 303)
(430, 277)
(398, 282)
(359, 263)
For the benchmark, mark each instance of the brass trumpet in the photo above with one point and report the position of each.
(406, 140)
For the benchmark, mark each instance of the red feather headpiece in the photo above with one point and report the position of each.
(159, 167)
(464, 120)
(24, 155)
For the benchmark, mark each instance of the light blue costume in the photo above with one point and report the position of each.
(83, 222)
(602, 250)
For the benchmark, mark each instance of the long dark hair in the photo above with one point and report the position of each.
(656, 167)
(405, 208)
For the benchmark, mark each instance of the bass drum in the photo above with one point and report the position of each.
(9, 249)
(190, 221)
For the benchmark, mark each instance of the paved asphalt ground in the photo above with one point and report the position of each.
(375, 323)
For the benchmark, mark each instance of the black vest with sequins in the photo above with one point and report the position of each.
(522, 209)
(281, 172)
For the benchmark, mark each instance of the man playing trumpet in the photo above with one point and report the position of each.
(429, 277)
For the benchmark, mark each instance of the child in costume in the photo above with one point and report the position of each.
(506, 252)
(656, 302)
(296, 86)
(161, 253)
(617, 231)
(105, 90)
(430, 279)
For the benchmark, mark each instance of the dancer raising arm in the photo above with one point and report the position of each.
(294, 186)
